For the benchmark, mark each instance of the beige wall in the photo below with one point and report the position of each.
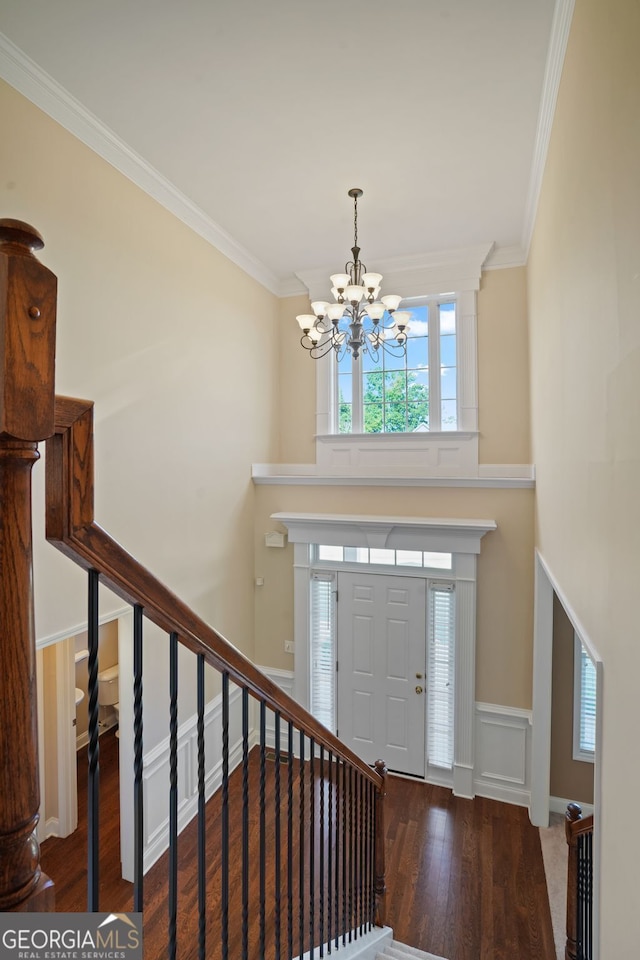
(505, 572)
(503, 367)
(177, 346)
(297, 415)
(503, 371)
(584, 302)
(570, 779)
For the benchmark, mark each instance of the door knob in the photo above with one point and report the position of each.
(418, 689)
(418, 676)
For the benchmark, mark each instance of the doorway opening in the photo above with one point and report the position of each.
(63, 725)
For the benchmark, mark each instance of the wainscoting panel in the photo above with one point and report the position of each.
(157, 767)
(503, 753)
(157, 762)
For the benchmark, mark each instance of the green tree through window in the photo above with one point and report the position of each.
(394, 402)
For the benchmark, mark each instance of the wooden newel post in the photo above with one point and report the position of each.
(573, 814)
(27, 400)
(380, 887)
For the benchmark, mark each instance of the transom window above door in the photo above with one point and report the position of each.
(417, 392)
(381, 555)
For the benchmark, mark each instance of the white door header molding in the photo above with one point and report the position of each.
(399, 533)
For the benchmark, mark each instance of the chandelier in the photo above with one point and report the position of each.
(357, 322)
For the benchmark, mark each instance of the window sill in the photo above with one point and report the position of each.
(520, 476)
(424, 437)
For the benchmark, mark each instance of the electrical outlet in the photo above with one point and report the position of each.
(289, 646)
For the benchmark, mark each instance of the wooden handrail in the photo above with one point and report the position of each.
(575, 826)
(70, 526)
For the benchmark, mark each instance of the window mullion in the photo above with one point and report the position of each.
(434, 367)
(357, 412)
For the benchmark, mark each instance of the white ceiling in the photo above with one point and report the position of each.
(264, 114)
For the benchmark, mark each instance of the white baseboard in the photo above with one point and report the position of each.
(560, 804)
(51, 828)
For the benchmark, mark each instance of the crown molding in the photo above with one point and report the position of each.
(41, 89)
(447, 271)
(501, 258)
(291, 287)
(559, 38)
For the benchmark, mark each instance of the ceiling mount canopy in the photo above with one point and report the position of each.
(357, 322)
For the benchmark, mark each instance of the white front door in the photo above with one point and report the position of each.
(381, 669)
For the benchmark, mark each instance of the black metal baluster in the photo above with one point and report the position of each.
(344, 852)
(350, 829)
(361, 854)
(365, 855)
(356, 861)
(322, 878)
(312, 845)
(263, 873)
(337, 863)
(202, 839)
(173, 793)
(290, 844)
(277, 860)
(245, 824)
(330, 858)
(301, 849)
(591, 894)
(93, 753)
(224, 905)
(372, 866)
(138, 804)
(370, 858)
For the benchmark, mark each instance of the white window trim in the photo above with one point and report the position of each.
(442, 454)
(437, 453)
(459, 537)
(587, 756)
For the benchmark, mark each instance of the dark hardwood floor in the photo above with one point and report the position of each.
(465, 878)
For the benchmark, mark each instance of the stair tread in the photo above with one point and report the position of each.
(402, 951)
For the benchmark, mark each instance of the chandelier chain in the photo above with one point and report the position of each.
(355, 221)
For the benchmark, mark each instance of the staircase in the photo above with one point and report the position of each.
(315, 810)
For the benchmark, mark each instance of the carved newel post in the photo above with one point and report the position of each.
(27, 398)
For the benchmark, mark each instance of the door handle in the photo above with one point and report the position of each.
(418, 689)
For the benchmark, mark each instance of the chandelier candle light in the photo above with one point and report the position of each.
(358, 322)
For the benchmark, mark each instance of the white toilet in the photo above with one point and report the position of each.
(109, 693)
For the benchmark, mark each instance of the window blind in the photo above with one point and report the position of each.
(323, 654)
(440, 675)
(587, 702)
